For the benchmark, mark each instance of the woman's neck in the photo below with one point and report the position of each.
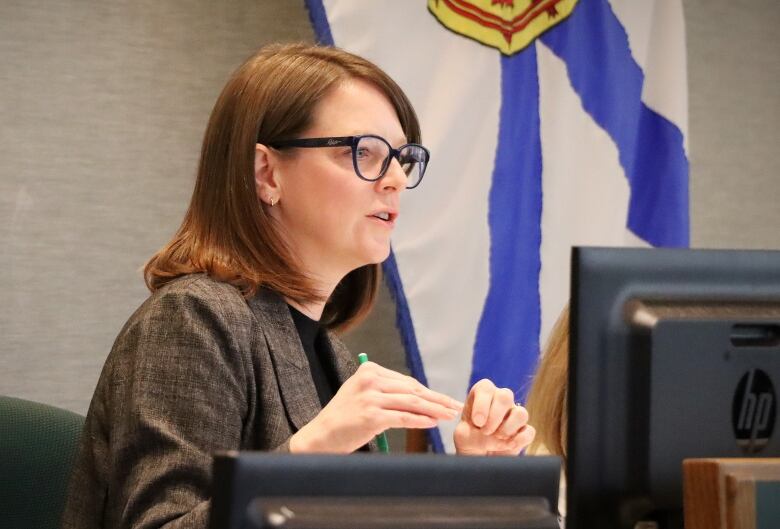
(311, 310)
(324, 286)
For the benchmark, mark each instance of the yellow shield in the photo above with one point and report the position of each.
(509, 25)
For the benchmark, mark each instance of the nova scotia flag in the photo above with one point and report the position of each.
(577, 138)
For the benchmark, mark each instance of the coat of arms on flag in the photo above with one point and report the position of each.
(509, 25)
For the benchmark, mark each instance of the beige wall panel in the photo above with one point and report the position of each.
(103, 106)
(734, 84)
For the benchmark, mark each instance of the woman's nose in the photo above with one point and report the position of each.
(395, 177)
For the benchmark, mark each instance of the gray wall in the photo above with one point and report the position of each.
(102, 108)
(734, 105)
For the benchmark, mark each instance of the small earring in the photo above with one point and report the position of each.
(273, 201)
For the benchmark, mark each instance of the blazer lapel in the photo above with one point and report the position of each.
(292, 368)
(343, 363)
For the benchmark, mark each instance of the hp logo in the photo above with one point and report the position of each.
(753, 411)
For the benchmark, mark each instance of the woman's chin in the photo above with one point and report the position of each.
(384, 254)
(378, 255)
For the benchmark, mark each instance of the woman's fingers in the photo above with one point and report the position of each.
(419, 391)
(515, 419)
(501, 407)
(525, 436)
(388, 381)
(414, 404)
(516, 444)
(510, 446)
(469, 440)
(492, 423)
(404, 419)
(479, 402)
(493, 409)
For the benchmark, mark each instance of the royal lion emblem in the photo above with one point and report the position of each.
(509, 25)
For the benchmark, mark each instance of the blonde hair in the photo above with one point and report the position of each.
(546, 403)
(225, 233)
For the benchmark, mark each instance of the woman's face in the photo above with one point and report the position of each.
(326, 212)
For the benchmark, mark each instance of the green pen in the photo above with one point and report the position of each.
(381, 439)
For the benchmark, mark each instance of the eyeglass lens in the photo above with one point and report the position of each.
(372, 157)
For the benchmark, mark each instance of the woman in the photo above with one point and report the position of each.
(548, 395)
(547, 400)
(304, 159)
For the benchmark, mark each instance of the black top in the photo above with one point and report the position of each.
(317, 353)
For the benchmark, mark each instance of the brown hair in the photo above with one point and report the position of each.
(546, 403)
(225, 233)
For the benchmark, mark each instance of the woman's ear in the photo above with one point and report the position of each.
(267, 181)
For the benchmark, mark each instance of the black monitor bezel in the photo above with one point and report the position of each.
(603, 282)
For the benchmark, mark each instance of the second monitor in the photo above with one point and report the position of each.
(674, 354)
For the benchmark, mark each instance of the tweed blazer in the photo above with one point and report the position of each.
(196, 369)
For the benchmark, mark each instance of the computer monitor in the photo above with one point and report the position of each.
(674, 354)
(382, 491)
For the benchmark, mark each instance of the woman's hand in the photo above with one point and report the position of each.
(491, 423)
(371, 401)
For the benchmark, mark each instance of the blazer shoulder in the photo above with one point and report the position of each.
(198, 292)
(193, 305)
(204, 287)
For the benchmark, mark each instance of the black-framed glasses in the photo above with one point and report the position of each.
(371, 155)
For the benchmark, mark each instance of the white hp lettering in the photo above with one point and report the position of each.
(754, 414)
(762, 413)
(748, 404)
(750, 412)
